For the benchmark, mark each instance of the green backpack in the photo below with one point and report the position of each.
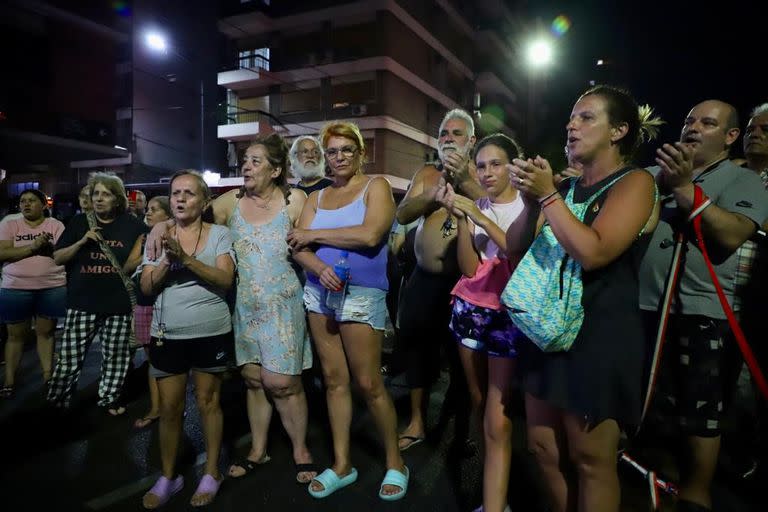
(543, 296)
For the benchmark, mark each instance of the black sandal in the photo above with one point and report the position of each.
(248, 465)
(7, 392)
(115, 409)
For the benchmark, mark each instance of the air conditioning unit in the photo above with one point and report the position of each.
(359, 109)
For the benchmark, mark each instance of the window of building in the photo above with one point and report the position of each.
(252, 59)
(15, 189)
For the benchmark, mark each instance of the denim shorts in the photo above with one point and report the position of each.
(21, 305)
(362, 304)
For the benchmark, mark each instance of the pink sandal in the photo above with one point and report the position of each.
(164, 489)
(207, 485)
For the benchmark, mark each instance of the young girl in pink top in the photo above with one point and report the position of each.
(33, 285)
(486, 335)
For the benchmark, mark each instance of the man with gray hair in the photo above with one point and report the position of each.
(308, 164)
(424, 310)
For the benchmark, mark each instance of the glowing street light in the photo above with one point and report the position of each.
(540, 53)
(156, 41)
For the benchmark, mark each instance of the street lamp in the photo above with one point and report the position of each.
(158, 43)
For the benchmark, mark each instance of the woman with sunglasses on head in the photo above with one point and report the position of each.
(191, 331)
(352, 216)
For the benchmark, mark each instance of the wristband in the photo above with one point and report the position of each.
(541, 201)
(699, 209)
(550, 201)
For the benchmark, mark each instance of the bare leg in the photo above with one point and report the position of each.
(699, 470)
(475, 366)
(207, 394)
(546, 440)
(362, 344)
(173, 391)
(44, 329)
(325, 332)
(259, 416)
(593, 453)
(291, 403)
(14, 349)
(417, 426)
(498, 434)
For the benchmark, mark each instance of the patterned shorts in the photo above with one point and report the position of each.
(485, 330)
(690, 385)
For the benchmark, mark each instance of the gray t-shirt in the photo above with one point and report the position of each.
(189, 307)
(730, 187)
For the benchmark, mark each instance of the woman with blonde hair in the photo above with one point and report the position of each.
(98, 301)
(353, 216)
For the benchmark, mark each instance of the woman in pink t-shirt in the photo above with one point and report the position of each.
(32, 285)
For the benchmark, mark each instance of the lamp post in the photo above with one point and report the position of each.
(158, 43)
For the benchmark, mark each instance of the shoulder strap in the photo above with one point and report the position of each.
(129, 287)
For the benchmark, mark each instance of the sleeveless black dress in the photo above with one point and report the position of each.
(601, 376)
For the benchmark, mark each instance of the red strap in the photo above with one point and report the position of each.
(699, 199)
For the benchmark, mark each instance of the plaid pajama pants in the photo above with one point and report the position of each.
(80, 328)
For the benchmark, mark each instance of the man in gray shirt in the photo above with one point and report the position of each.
(690, 388)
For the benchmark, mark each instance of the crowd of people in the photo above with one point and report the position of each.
(554, 284)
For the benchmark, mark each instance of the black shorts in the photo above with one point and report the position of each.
(690, 386)
(210, 354)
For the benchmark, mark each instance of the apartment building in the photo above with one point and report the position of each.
(393, 67)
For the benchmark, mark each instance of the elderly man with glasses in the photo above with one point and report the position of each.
(308, 164)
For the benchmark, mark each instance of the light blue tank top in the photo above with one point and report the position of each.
(368, 267)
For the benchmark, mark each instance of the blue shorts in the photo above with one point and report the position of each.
(21, 305)
(362, 305)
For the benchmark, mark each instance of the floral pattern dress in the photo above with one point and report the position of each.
(270, 323)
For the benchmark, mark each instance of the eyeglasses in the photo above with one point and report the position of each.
(309, 152)
(346, 152)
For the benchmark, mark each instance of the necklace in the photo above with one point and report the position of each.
(158, 306)
(265, 205)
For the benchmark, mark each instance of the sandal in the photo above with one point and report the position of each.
(395, 478)
(7, 391)
(207, 486)
(248, 465)
(309, 467)
(115, 410)
(411, 441)
(163, 490)
(331, 482)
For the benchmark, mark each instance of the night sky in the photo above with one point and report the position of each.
(671, 54)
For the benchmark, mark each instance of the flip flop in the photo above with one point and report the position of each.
(7, 392)
(412, 441)
(309, 467)
(398, 479)
(164, 489)
(249, 465)
(331, 482)
(207, 485)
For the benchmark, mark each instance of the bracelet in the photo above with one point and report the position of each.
(550, 201)
(706, 201)
(548, 196)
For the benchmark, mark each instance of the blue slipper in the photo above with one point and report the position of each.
(396, 478)
(331, 482)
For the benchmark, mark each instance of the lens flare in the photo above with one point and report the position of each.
(560, 25)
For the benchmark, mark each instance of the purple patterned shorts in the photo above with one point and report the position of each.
(485, 330)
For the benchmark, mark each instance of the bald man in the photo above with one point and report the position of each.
(689, 395)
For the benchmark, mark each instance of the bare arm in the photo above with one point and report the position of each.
(306, 257)
(134, 258)
(523, 230)
(223, 206)
(11, 254)
(379, 214)
(65, 254)
(627, 208)
(153, 277)
(465, 250)
(296, 200)
(220, 276)
(419, 200)
(728, 229)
